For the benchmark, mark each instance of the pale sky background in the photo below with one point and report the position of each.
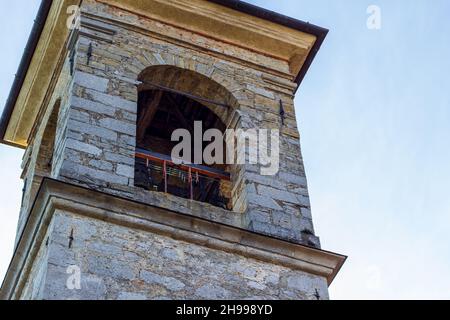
(374, 116)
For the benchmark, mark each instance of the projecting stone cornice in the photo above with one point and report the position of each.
(56, 195)
(227, 25)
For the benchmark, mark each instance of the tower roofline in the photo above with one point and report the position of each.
(241, 6)
(19, 79)
(286, 21)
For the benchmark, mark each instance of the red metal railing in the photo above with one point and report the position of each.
(193, 171)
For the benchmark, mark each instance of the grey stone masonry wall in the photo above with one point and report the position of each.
(89, 245)
(100, 139)
(96, 138)
(41, 157)
(117, 262)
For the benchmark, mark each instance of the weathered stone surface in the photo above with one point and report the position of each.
(112, 100)
(118, 126)
(89, 105)
(83, 147)
(80, 172)
(115, 110)
(293, 178)
(212, 291)
(261, 91)
(169, 283)
(120, 246)
(307, 283)
(92, 130)
(91, 81)
(118, 158)
(131, 296)
(264, 201)
(95, 146)
(124, 170)
(276, 194)
(195, 272)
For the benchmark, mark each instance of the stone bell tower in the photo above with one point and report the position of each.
(106, 212)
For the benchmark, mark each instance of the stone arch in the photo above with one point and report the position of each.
(208, 93)
(44, 159)
(194, 83)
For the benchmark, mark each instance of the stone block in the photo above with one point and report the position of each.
(306, 213)
(293, 178)
(212, 291)
(102, 165)
(276, 194)
(131, 296)
(263, 201)
(124, 170)
(119, 126)
(114, 101)
(79, 115)
(91, 81)
(93, 106)
(309, 284)
(92, 130)
(120, 158)
(168, 282)
(127, 140)
(109, 267)
(84, 173)
(83, 147)
(259, 216)
(280, 218)
(265, 180)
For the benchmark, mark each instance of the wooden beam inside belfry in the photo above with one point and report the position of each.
(148, 113)
(176, 111)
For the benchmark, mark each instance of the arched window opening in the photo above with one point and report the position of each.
(160, 113)
(45, 157)
(44, 160)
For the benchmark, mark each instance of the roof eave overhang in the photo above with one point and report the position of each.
(16, 123)
(23, 68)
(319, 32)
(36, 71)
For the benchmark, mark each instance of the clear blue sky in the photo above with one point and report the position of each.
(374, 116)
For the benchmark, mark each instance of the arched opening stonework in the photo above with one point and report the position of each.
(171, 98)
(40, 164)
(44, 159)
(192, 83)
